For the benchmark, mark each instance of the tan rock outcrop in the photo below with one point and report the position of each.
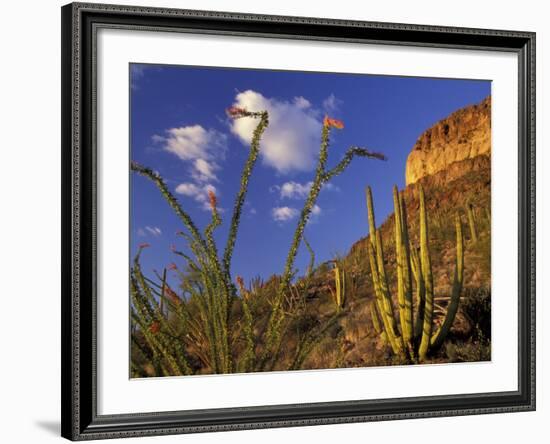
(464, 134)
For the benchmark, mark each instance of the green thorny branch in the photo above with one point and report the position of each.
(245, 178)
(172, 201)
(322, 176)
(311, 257)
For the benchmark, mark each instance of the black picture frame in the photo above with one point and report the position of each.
(80, 420)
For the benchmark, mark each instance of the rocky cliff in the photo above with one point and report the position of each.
(452, 162)
(465, 134)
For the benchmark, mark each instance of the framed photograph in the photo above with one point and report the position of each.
(282, 221)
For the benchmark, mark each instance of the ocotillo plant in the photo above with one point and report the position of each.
(416, 337)
(322, 176)
(206, 323)
(165, 352)
(215, 293)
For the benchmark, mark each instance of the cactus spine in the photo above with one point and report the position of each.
(415, 338)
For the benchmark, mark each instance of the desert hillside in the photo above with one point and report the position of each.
(331, 317)
(451, 161)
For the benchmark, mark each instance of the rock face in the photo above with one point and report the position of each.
(465, 134)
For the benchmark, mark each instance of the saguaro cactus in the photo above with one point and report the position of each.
(416, 337)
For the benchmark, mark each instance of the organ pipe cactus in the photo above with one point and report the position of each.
(416, 337)
(376, 321)
(439, 336)
(472, 222)
(404, 285)
(426, 270)
(339, 292)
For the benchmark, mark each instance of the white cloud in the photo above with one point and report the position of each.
(202, 148)
(188, 189)
(295, 190)
(291, 142)
(149, 231)
(156, 138)
(330, 187)
(283, 214)
(197, 192)
(302, 102)
(194, 142)
(154, 231)
(137, 70)
(332, 104)
(136, 73)
(204, 171)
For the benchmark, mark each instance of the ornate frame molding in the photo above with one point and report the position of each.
(79, 395)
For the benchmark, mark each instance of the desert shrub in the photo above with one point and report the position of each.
(476, 307)
(468, 351)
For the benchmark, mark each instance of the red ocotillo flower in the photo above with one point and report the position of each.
(212, 199)
(154, 327)
(144, 245)
(333, 123)
(236, 112)
(172, 266)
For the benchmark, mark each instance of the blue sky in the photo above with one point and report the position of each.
(179, 128)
